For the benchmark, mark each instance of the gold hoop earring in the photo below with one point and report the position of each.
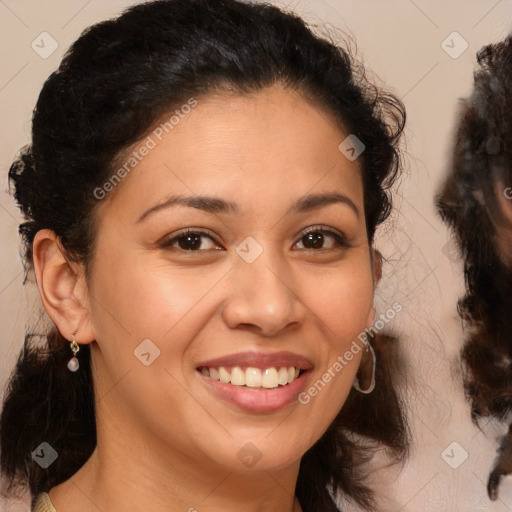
(73, 363)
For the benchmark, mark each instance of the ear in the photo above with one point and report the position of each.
(376, 261)
(504, 195)
(376, 266)
(62, 287)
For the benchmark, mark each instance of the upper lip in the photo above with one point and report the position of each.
(259, 360)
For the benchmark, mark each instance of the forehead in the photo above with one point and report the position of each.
(271, 141)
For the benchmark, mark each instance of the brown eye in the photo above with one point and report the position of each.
(316, 238)
(313, 240)
(189, 240)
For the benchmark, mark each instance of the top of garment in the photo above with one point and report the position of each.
(42, 503)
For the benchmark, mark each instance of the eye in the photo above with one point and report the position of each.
(315, 237)
(195, 240)
(190, 240)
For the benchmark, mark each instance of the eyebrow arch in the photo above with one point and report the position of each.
(215, 205)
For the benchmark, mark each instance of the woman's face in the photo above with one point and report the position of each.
(248, 289)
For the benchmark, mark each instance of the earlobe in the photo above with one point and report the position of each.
(59, 285)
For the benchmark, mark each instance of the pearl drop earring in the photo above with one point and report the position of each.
(73, 363)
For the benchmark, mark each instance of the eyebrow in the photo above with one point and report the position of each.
(215, 205)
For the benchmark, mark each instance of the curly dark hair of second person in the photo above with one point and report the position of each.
(476, 202)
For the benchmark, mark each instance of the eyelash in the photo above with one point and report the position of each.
(340, 239)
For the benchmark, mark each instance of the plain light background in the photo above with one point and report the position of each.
(410, 46)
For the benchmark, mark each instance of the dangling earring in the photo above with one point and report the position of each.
(73, 363)
(367, 349)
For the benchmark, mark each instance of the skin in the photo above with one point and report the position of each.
(503, 237)
(165, 441)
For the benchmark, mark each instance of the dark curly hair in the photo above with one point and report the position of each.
(469, 201)
(115, 82)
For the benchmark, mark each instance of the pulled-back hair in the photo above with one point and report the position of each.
(115, 82)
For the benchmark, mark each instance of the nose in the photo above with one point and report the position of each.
(263, 297)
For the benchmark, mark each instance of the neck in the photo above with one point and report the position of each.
(123, 474)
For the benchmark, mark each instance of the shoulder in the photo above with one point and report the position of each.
(42, 503)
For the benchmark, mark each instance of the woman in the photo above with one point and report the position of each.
(201, 194)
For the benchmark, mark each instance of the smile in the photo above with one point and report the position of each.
(251, 377)
(256, 382)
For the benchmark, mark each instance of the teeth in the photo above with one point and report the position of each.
(254, 377)
(269, 378)
(237, 376)
(282, 376)
(224, 375)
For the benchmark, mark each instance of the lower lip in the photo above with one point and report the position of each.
(257, 399)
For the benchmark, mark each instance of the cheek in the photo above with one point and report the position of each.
(132, 297)
(343, 305)
(132, 304)
(343, 301)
